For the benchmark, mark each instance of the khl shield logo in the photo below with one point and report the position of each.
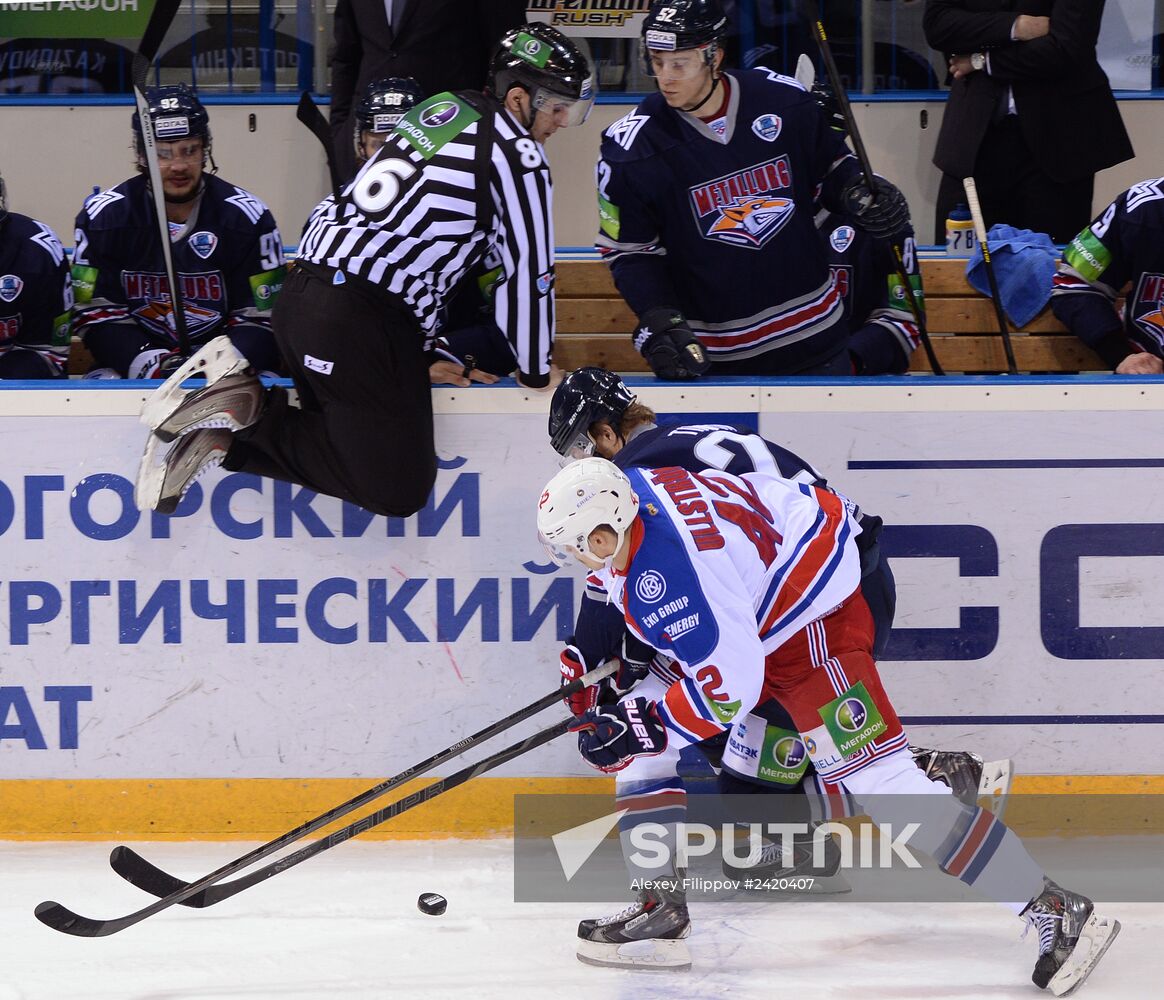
(767, 127)
(10, 287)
(841, 238)
(203, 243)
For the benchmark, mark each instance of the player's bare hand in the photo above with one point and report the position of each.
(1028, 27)
(1141, 364)
(960, 67)
(451, 373)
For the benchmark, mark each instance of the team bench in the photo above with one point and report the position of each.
(594, 326)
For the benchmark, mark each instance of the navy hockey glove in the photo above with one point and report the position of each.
(669, 346)
(610, 738)
(881, 216)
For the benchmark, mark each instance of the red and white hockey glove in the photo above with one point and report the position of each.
(573, 667)
(609, 738)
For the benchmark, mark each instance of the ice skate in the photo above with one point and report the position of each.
(1072, 938)
(161, 486)
(793, 870)
(967, 775)
(648, 934)
(232, 397)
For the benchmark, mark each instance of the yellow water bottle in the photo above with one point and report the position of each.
(960, 240)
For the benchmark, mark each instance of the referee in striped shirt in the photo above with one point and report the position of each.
(462, 175)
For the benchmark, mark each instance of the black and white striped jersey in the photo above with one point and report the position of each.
(456, 179)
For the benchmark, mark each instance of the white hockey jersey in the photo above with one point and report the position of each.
(723, 570)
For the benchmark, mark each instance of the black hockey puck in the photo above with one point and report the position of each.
(432, 903)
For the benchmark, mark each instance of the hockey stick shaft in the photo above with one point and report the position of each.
(62, 919)
(971, 190)
(160, 19)
(265, 850)
(312, 117)
(842, 97)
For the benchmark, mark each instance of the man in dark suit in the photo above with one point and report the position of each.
(443, 44)
(1031, 115)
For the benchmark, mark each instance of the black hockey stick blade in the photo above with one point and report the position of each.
(224, 890)
(61, 918)
(837, 84)
(312, 117)
(125, 861)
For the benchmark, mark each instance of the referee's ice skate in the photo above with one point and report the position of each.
(648, 934)
(232, 396)
(161, 486)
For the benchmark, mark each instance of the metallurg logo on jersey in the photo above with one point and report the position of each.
(743, 208)
(150, 295)
(1148, 307)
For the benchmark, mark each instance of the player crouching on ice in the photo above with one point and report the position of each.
(765, 573)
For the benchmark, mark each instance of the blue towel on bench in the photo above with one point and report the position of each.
(1024, 266)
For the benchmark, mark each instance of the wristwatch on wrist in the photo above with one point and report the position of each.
(978, 61)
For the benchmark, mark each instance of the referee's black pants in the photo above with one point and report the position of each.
(363, 431)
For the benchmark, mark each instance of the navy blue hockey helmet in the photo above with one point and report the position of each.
(383, 105)
(554, 70)
(676, 25)
(584, 397)
(176, 113)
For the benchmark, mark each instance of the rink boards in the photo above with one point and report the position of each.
(269, 652)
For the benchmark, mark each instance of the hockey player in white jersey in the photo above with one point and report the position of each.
(752, 585)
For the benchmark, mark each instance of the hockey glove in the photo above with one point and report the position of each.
(610, 738)
(881, 215)
(669, 346)
(573, 667)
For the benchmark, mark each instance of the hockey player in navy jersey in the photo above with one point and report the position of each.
(706, 197)
(226, 248)
(1124, 244)
(36, 298)
(752, 585)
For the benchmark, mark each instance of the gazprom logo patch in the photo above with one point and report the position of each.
(851, 715)
(439, 114)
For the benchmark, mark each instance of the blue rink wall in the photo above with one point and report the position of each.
(268, 652)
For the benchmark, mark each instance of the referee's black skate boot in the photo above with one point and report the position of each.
(648, 934)
(1072, 938)
(232, 398)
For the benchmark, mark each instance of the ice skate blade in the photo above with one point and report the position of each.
(215, 361)
(151, 475)
(1095, 938)
(994, 784)
(668, 954)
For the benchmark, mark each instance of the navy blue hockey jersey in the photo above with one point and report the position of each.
(36, 297)
(1124, 244)
(884, 332)
(720, 226)
(229, 260)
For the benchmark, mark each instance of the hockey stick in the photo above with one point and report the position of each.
(867, 168)
(137, 870)
(995, 296)
(159, 22)
(61, 918)
(313, 118)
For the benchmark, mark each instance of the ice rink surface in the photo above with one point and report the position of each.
(345, 924)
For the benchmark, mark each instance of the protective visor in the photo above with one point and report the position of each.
(684, 64)
(566, 111)
(571, 449)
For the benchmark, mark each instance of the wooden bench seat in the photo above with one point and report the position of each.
(594, 326)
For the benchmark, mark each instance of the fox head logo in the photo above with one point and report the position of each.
(751, 221)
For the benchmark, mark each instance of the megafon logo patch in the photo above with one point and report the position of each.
(745, 208)
(439, 114)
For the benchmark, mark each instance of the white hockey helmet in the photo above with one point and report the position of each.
(583, 496)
